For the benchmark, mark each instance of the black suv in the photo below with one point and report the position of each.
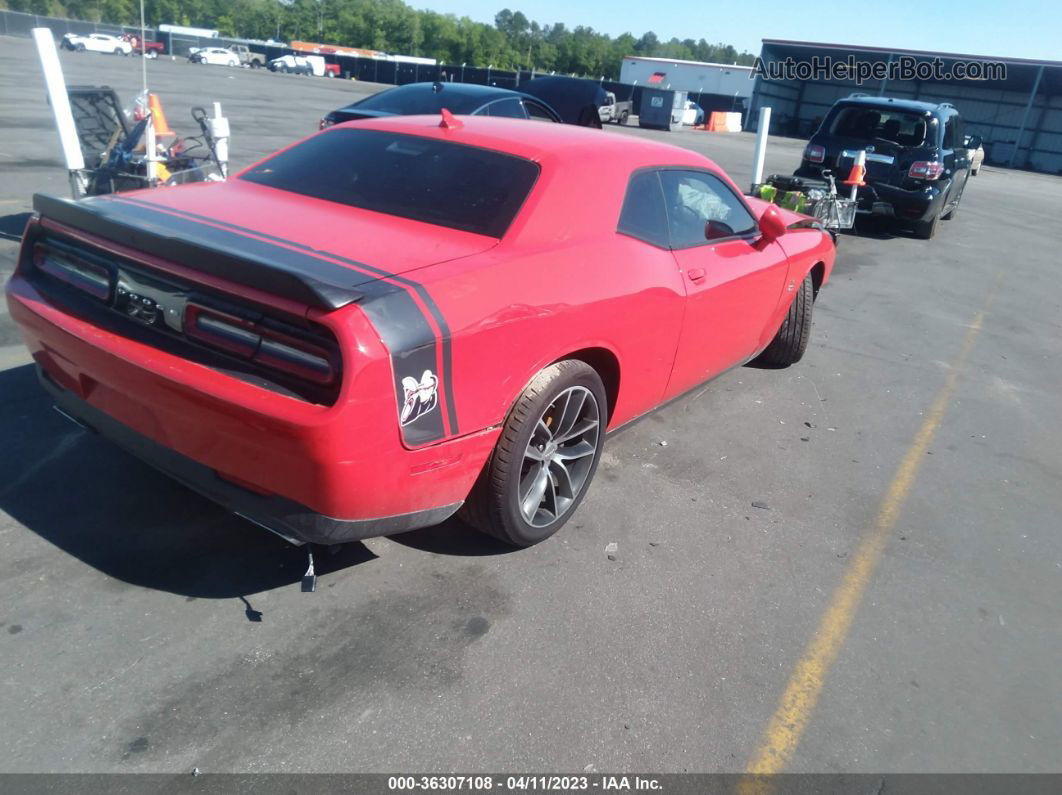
(917, 163)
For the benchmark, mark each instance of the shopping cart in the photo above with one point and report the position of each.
(817, 198)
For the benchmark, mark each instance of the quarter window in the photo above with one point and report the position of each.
(507, 108)
(693, 198)
(643, 214)
(536, 111)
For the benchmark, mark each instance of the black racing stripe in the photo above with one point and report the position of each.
(447, 353)
(422, 293)
(312, 281)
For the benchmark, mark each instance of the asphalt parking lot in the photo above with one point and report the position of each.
(910, 466)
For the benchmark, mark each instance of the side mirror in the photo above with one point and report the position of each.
(714, 230)
(974, 142)
(772, 224)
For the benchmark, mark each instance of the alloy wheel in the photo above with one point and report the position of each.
(559, 456)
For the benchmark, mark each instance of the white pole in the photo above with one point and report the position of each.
(64, 118)
(761, 145)
(149, 151)
(143, 50)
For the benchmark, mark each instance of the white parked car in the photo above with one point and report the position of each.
(97, 42)
(218, 56)
(976, 156)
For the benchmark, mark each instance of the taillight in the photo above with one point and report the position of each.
(261, 343)
(75, 271)
(815, 153)
(926, 169)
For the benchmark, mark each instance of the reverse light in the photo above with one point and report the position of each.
(926, 169)
(260, 343)
(87, 276)
(815, 153)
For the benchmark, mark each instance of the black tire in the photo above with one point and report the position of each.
(493, 507)
(80, 48)
(791, 341)
(623, 117)
(950, 214)
(925, 230)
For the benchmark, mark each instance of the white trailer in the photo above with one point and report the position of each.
(182, 30)
(692, 76)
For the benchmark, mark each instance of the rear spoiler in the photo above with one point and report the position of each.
(281, 269)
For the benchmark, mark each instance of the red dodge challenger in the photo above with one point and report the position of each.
(395, 318)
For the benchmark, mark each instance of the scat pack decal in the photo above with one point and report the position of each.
(421, 397)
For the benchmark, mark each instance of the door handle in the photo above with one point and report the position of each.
(696, 274)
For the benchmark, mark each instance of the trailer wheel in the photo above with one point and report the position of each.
(623, 116)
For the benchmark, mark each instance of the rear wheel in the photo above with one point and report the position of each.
(545, 457)
(791, 341)
(623, 117)
(80, 48)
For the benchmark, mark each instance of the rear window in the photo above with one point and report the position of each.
(901, 127)
(446, 184)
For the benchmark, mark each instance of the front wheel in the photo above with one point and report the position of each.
(545, 457)
(80, 48)
(791, 341)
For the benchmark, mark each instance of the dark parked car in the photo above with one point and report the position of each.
(917, 163)
(462, 99)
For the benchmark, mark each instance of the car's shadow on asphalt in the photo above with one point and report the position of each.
(109, 510)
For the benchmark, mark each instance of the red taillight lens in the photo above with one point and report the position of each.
(87, 276)
(815, 153)
(260, 343)
(221, 330)
(926, 169)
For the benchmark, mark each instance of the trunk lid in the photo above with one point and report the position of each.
(383, 242)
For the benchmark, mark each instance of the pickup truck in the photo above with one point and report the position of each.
(150, 49)
(97, 42)
(254, 60)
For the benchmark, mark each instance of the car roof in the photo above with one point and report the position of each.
(902, 104)
(540, 141)
(467, 94)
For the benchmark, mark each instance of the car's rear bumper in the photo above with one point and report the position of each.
(287, 518)
(309, 472)
(882, 199)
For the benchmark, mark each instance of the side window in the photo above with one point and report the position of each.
(507, 108)
(643, 213)
(949, 134)
(536, 111)
(694, 198)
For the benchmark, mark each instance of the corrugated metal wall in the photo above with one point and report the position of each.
(995, 111)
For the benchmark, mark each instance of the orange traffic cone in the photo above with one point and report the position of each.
(158, 118)
(858, 172)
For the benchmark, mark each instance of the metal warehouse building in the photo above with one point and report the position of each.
(1019, 117)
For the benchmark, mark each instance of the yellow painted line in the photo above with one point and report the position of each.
(797, 703)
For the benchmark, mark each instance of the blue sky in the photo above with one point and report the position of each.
(1018, 29)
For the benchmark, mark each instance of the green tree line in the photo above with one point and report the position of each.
(512, 42)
